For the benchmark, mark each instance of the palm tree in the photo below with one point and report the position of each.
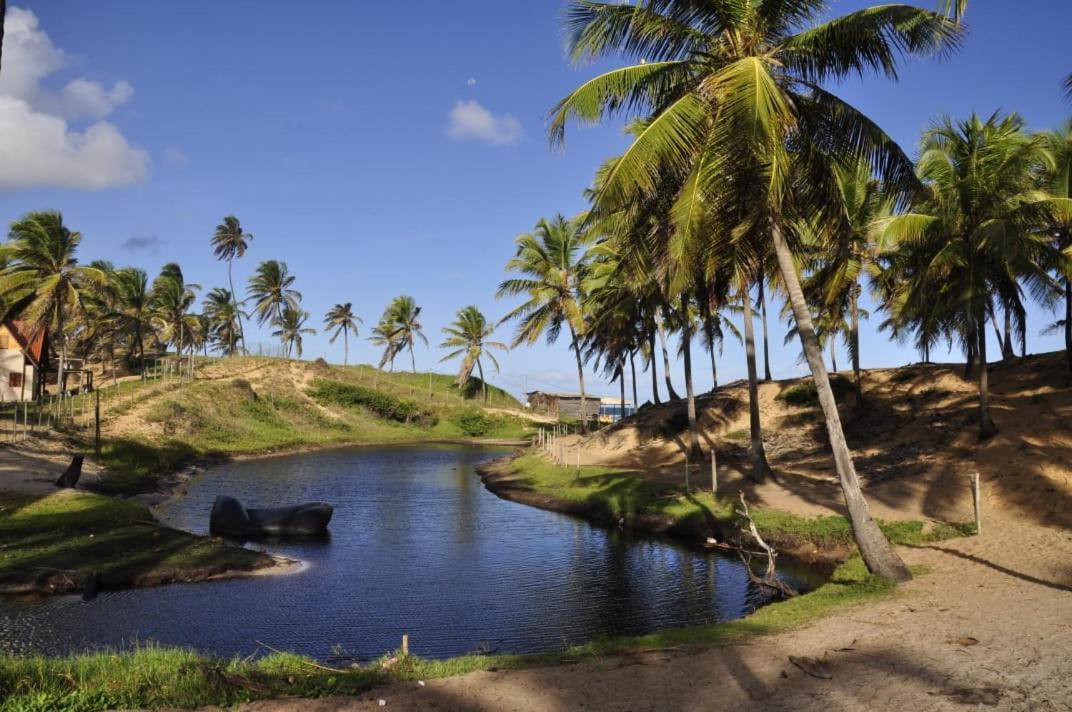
(172, 299)
(291, 325)
(554, 264)
(758, 68)
(342, 319)
(402, 315)
(271, 290)
(979, 231)
(384, 334)
(134, 304)
(468, 335)
(229, 242)
(42, 282)
(1059, 179)
(223, 320)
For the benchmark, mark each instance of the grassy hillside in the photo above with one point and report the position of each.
(257, 405)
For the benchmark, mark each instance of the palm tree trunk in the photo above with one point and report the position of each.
(763, 320)
(666, 357)
(1007, 352)
(877, 553)
(580, 379)
(709, 332)
(234, 302)
(833, 353)
(483, 384)
(686, 350)
(346, 347)
(997, 334)
(987, 429)
(651, 361)
(621, 394)
(632, 372)
(760, 467)
(412, 359)
(1068, 323)
(854, 335)
(63, 349)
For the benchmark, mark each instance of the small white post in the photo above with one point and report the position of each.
(405, 644)
(977, 501)
(714, 471)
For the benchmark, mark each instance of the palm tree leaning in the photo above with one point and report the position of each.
(402, 316)
(342, 319)
(229, 242)
(383, 334)
(759, 68)
(291, 325)
(553, 263)
(469, 335)
(42, 282)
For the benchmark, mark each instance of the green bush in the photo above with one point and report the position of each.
(473, 422)
(805, 395)
(381, 404)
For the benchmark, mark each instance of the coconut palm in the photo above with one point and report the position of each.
(385, 335)
(979, 231)
(403, 316)
(271, 289)
(553, 264)
(223, 320)
(759, 67)
(42, 282)
(134, 304)
(291, 327)
(172, 299)
(469, 336)
(342, 319)
(1059, 180)
(229, 242)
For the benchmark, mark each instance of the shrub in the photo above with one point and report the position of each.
(381, 404)
(473, 422)
(805, 395)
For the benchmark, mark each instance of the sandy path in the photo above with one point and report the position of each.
(1011, 589)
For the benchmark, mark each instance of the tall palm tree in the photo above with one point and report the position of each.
(469, 336)
(403, 316)
(172, 299)
(384, 334)
(42, 282)
(223, 320)
(759, 68)
(272, 292)
(291, 325)
(1059, 179)
(980, 231)
(342, 319)
(134, 304)
(230, 242)
(553, 264)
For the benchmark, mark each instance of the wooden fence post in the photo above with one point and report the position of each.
(977, 501)
(96, 433)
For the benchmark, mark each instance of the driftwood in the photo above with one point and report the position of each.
(770, 579)
(70, 476)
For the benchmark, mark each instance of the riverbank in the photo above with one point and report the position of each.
(614, 496)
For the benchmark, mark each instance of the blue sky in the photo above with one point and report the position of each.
(381, 152)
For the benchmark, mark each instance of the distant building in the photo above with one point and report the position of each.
(568, 406)
(23, 361)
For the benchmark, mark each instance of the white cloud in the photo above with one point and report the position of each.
(471, 82)
(468, 120)
(38, 147)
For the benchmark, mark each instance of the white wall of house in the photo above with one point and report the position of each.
(11, 373)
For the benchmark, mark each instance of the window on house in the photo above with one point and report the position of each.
(14, 380)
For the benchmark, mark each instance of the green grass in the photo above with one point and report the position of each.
(804, 395)
(609, 493)
(59, 539)
(153, 677)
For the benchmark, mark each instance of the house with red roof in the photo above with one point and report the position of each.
(24, 360)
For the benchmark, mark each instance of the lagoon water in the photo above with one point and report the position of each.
(417, 546)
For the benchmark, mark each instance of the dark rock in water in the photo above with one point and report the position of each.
(229, 518)
(70, 476)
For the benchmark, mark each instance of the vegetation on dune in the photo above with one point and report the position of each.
(382, 405)
(152, 677)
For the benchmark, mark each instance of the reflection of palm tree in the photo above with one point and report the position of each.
(291, 327)
(342, 319)
(469, 335)
(553, 264)
(229, 242)
(42, 282)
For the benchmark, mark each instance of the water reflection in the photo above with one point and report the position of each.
(418, 546)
